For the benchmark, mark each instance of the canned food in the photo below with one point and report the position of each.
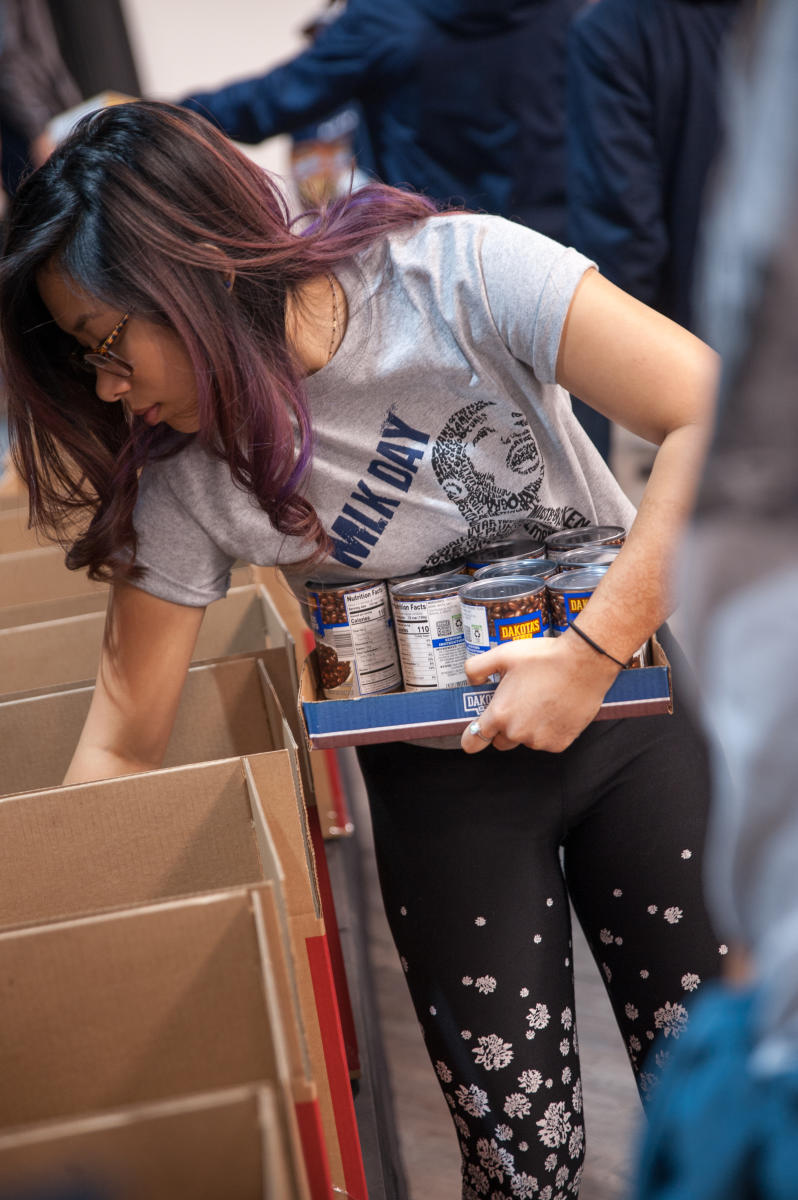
(454, 568)
(588, 535)
(586, 556)
(355, 640)
(522, 566)
(429, 631)
(508, 609)
(505, 551)
(569, 592)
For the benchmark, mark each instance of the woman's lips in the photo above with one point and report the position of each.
(150, 415)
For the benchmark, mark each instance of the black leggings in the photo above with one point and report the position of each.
(478, 857)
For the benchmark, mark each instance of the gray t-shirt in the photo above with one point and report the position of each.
(438, 424)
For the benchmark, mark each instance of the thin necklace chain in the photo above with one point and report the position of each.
(335, 320)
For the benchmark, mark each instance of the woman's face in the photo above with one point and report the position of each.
(162, 386)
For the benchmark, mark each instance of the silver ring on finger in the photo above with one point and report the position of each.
(474, 729)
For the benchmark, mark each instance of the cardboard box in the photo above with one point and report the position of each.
(440, 712)
(14, 532)
(158, 835)
(334, 814)
(40, 574)
(52, 610)
(228, 708)
(33, 575)
(142, 1006)
(67, 650)
(224, 1143)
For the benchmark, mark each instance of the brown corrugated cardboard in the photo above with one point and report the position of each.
(216, 1144)
(14, 532)
(28, 576)
(52, 610)
(140, 1006)
(69, 851)
(40, 574)
(227, 709)
(334, 816)
(67, 650)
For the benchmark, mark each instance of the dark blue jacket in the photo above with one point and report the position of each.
(643, 130)
(462, 99)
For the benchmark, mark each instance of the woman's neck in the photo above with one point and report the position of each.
(315, 321)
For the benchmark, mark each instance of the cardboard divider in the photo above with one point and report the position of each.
(151, 837)
(141, 1006)
(52, 610)
(32, 575)
(14, 532)
(162, 1151)
(334, 815)
(228, 708)
(67, 650)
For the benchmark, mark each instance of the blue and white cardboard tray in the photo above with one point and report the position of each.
(398, 716)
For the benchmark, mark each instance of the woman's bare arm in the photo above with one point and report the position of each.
(146, 652)
(658, 380)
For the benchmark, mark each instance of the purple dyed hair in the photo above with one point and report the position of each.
(147, 207)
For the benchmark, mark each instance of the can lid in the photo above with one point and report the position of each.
(521, 566)
(582, 580)
(588, 535)
(424, 585)
(316, 585)
(508, 548)
(507, 587)
(587, 556)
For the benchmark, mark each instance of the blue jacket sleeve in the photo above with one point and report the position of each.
(338, 67)
(614, 177)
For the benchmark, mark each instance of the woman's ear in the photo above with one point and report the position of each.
(230, 275)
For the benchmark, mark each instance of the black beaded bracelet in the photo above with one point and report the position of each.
(595, 645)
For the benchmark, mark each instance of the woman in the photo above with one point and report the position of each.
(312, 397)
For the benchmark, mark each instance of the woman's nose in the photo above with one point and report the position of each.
(111, 387)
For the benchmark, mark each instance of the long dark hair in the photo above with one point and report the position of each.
(148, 208)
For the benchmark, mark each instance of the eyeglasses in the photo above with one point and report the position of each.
(102, 359)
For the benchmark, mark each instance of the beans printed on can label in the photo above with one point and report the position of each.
(354, 639)
(508, 608)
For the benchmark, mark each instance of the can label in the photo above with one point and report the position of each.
(475, 628)
(355, 641)
(515, 629)
(566, 607)
(432, 647)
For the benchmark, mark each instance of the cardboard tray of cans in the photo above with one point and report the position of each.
(438, 712)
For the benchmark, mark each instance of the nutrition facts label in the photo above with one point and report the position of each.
(373, 648)
(431, 642)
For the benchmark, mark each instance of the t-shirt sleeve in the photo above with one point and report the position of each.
(182, 562)
(529, 283)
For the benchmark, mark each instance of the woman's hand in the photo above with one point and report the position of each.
(550, 690)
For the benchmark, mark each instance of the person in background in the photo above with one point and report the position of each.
(642, 132)
(195, 377)
(724, 1125)
(329, 156)
(461, 99)
(35, 85)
